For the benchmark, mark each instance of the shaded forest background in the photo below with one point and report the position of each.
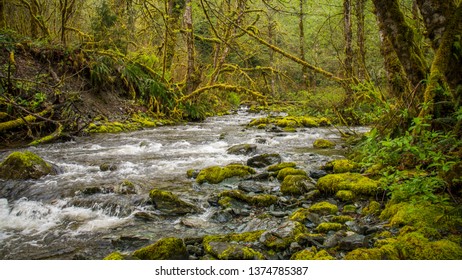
(358, 61)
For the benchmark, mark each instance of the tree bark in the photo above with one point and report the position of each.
(401, 36)
(191, 75)
(361, 39)
(2, 14)
(435, 15)
(348, 36)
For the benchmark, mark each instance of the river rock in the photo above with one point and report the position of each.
(281, 237)
(231, 251)
(250, 186)
(323, 144)
(296, 185)
(352, 241)
(242, 149)
(170, 204)
(108, 167)
(25, 165)
(316, 174)
(221, 216)
(170, 248)
(264, 160)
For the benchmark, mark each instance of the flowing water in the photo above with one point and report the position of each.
(53, 218)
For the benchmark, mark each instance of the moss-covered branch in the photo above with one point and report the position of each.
(224, 87)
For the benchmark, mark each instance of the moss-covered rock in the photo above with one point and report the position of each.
(25, 165)
(323, 144)
(373, 208)
(349, 209)
(115, 256)
(324, 208)
(312, 254)
(341, 166)
(230, 251)
(279, 166)
(215, 245)
(326, 227)
(264, 160)
(242, 149)
(296, 185)
(290, 171)
(345, 195)
(358, 184)
(341, 219)
(216, 174)
(281, 237)
(256, 200)
(170, 204)
(170, 248)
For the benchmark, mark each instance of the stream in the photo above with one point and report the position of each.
(55, 217)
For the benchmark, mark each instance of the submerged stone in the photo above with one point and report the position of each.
(242, 149)
(25, 165)
(264, 160)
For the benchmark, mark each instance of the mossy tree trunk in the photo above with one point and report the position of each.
(441, 97)
(348, 36)
(173, 12)
(192, 77)
(360, 6)
(393, 24)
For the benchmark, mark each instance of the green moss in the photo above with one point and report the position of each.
(342, 219)
(277, 240)
(24, 165)
(349, 209)
(415, 246)
(373, 208)
(259, 121)
(239, 252)
(245, 237)
(295, 185)
(309, 122)
(300, 215)
(324, 208)
(384, 253)
(290, 129)
(256, 200)
(279, 166)
(216, 174)
(170, 248)
(345, 195)
(287, 122)
(290, 171)
(190, 173)
(115, 256)
(354, 182)
(144, 120)
(323, 144)
(292, 121)
(341, 166)
(170, 203)
(326, 227)
(312, 254)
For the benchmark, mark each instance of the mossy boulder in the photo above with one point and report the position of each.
(409, 246)
(279, 166)
(357, 183)
(242, 149)
(326, 227)
(323, 144)
(216, 174)
(170, 248)
(256, 200)
(290, 171)
(230, 251)
(324, 208)
(342, 219)
(296, 185)
(264, 160)
(345, 195)
(341, 166)
(170, 204)
(312, 254)
(224, 246)
(280, 238)
(25, 165)
(115, 256)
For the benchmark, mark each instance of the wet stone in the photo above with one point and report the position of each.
(242, 149)
(264, 160)
(249, 186)
(316, 174)
(352, 241)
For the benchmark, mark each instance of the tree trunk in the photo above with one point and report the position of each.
(348, 36)
(271, 28)
(173, 13)
(301, 26)
(2, 14)
(401, 36)
(191, 75)
(435, 15)
(361, 38)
